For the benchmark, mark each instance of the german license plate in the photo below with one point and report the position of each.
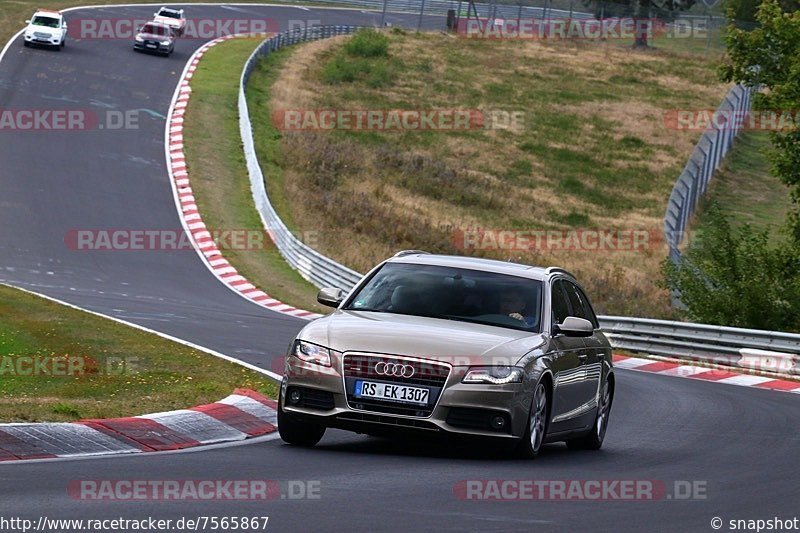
(392, 392)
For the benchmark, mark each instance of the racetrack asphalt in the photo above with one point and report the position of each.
(740, 444)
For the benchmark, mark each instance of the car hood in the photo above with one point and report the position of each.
(459, 343)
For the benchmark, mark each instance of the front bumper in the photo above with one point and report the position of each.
(460, 409)
(42, 40)
(147, 46)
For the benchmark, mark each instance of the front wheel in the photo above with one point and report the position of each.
(532, 439)
(594, 439)
(296, 432)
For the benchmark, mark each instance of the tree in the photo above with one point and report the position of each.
(743, 12)
(642, 12)
(769, 57)
(737, 278)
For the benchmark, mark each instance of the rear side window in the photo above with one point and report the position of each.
(580, 304)
(559, 303)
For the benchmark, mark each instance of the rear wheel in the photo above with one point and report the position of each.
(296, 432)
(594, 439)
(532, 439)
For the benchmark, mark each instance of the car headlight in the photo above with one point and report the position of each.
(164, 43)
(311, 353)
(494, 375)
(139, 38)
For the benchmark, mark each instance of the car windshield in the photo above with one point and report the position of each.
(449, 293)
(48, 22)
(152, 29)
(170, 14)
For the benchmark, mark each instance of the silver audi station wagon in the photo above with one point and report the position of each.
(456, 346)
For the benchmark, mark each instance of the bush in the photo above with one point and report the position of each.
(736, 278)
(368, 43)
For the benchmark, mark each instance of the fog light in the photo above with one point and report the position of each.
(497, 422)
(294, 397)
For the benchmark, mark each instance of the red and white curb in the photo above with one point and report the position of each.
(715, 373)
(191, 219)
(242, 415)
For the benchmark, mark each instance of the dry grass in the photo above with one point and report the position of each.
(593, 152)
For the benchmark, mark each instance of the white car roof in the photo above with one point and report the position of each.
(47, 13)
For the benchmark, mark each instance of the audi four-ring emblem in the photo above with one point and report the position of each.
(394, 369)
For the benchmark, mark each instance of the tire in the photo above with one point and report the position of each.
(296, 432)
(538, 421)
(594, 439)
(26, 44)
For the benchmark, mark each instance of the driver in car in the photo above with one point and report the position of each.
(513, 304)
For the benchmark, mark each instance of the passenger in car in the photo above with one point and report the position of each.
(512, 304)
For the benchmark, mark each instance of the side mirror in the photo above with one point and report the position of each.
(574, 327)
(27, 22)
(330, 296)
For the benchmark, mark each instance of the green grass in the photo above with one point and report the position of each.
(746, 191)
(219, 173)
(115, 371)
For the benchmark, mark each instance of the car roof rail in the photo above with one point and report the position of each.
(558, 270)
(403, 253)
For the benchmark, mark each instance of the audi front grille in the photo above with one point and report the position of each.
(390, 369)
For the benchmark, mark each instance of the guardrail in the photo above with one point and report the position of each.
(706, 158)
(313, 266)
(756, 349)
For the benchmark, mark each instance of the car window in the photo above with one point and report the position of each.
(48, 22)
(579, 304)
(451, 293)
(587, 307)
(559, 303)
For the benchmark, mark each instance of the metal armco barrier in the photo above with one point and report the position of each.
(755, 349)
(745, 348)
(708, 154)
(313, 266)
